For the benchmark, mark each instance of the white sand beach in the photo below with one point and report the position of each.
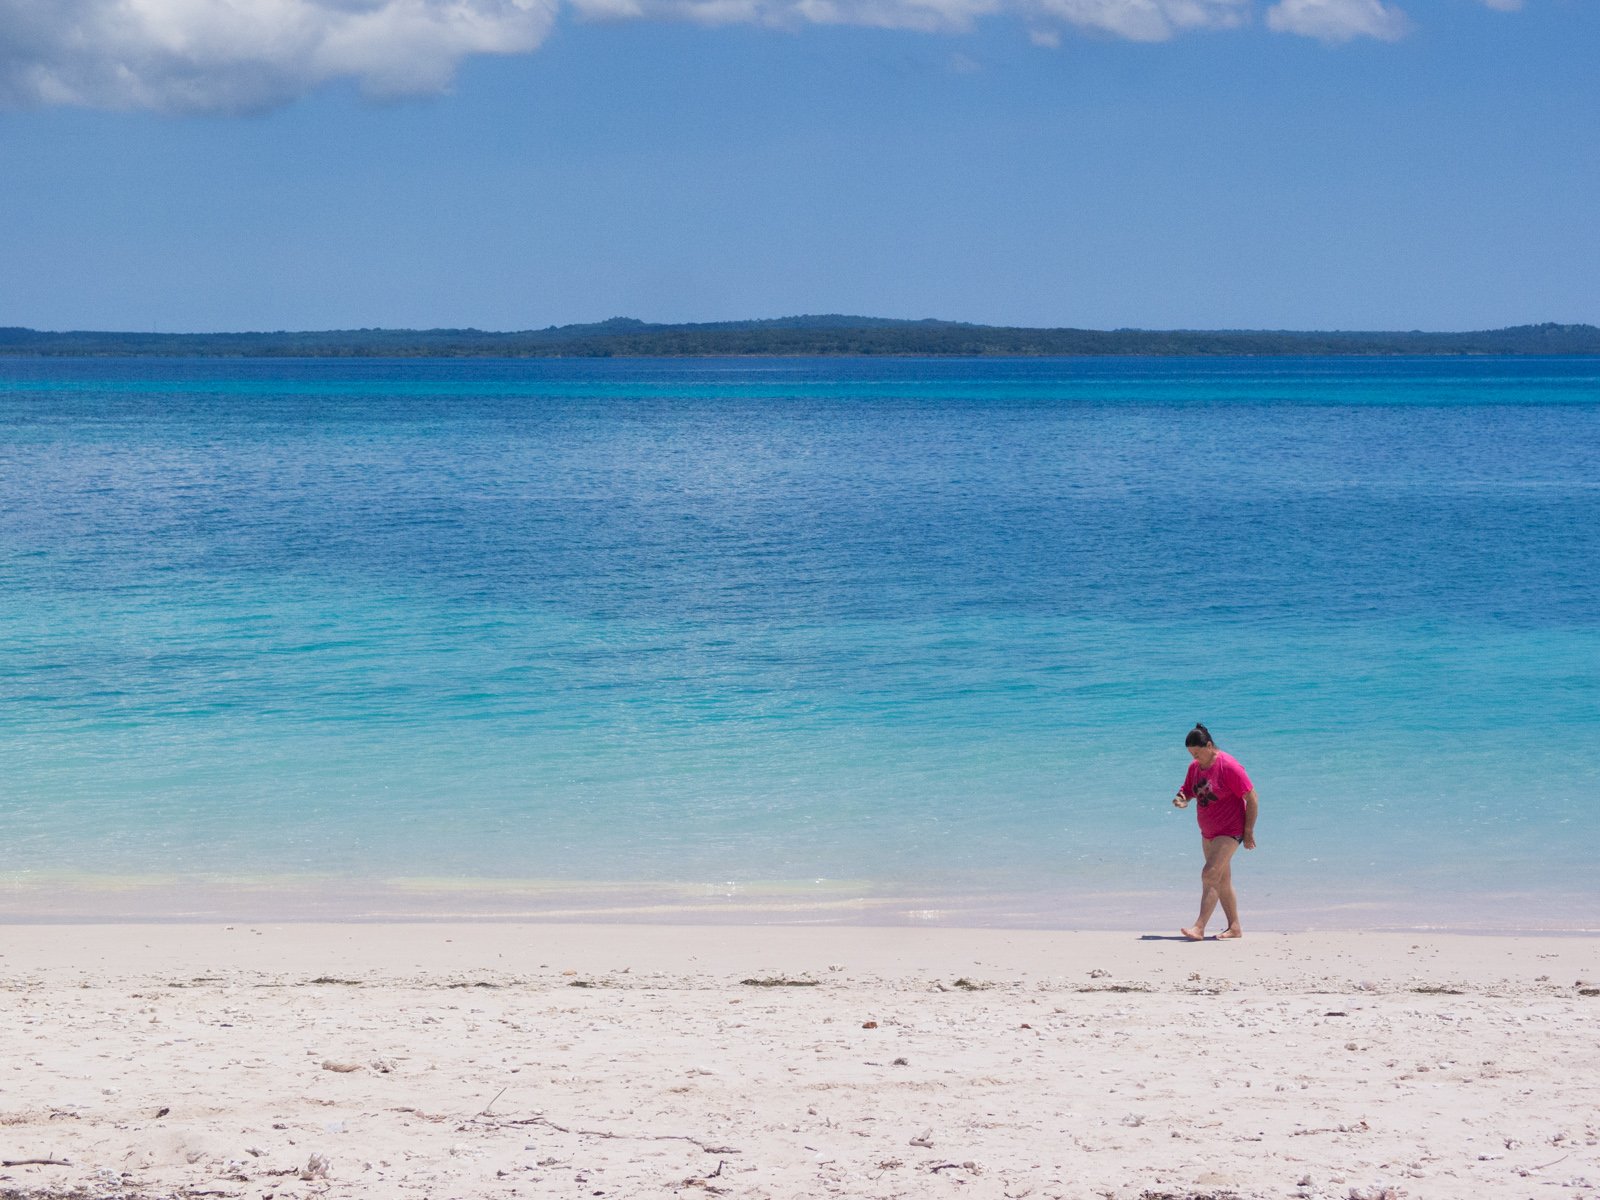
(499, 1060)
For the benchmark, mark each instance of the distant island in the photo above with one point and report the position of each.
(810, 335)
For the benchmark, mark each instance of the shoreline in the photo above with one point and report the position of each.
(485, 1060)
(132, 948)
(1267, 906)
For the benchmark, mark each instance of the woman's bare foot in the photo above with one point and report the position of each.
(1194, 933)
(1232, 931)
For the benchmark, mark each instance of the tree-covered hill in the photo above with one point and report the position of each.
(806, 335)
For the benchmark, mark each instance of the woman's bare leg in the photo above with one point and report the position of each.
(1216, 887)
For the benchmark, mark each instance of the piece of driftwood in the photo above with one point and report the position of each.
(604, 1133)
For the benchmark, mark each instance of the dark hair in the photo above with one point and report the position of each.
(1199, 736)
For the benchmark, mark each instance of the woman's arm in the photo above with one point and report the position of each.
(1250, 810)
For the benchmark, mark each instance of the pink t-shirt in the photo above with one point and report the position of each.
(1218, 792)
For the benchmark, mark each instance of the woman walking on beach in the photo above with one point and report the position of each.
(1227, 813)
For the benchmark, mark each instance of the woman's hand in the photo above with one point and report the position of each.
(1180, 801)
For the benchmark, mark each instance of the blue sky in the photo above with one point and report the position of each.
(505, 164)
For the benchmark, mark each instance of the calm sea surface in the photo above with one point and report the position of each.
(808, 639)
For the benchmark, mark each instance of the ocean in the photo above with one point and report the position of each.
(825, 640)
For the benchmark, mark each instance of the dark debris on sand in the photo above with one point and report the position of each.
(83, 1193)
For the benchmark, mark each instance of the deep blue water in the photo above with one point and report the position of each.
(922, 630)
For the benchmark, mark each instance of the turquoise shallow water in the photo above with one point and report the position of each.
(802, 639)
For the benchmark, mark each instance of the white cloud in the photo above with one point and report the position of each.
(1338, 20)
(236, 55)
(1145, 20)
(1139, 20)
(927, 16)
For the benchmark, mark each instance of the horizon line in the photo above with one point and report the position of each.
(839, 321)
